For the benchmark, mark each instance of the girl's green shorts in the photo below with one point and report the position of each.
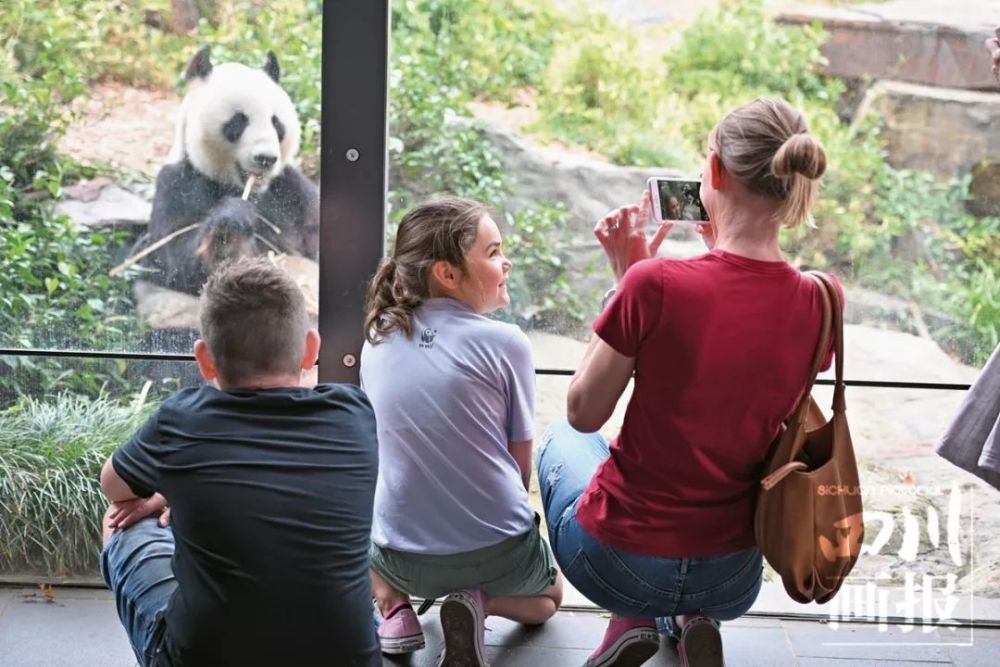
(518, 566)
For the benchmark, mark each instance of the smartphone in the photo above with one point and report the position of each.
(676, 200)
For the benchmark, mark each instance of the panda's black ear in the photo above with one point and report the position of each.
(200, 66)
(272, 68)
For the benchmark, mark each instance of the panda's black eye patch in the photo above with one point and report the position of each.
(279, 127)
(233, 129)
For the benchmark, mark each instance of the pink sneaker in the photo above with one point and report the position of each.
(628, 642)
(700, 644)
(399, 631)
(462, 621)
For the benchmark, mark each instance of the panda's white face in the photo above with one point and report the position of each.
(237, 121)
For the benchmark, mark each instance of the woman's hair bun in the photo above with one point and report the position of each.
(800, 154)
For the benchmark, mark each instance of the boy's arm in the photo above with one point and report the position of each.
(521, 451)
(126, 506)
(130, 477)
(115, 488)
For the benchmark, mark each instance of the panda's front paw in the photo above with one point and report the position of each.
(229, 233)
(234, 216)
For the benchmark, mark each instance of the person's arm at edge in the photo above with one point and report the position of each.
(115, 488)
(521, 451)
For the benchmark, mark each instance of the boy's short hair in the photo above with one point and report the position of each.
(253, 320)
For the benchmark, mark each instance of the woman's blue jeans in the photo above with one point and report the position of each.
(624, 583)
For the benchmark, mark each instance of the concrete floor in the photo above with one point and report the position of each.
(78, 627)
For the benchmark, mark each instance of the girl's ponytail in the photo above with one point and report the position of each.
(439, 230)
(388, 308)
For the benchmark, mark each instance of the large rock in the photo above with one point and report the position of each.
(932, 42)
(101, 203)
(588, 187)
(943, 130)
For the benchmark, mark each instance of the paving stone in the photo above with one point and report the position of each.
(5, 598)
(985, 650)
(62, 633)
(81, 629)
(838, 662)
(535, 656)
(865, 642)
(572, 630)
(756, 646)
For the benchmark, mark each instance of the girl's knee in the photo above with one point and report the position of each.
(555, 592)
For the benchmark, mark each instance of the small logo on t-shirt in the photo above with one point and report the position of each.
(427, 337)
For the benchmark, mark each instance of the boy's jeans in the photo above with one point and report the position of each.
(136, 566)
(624, 583)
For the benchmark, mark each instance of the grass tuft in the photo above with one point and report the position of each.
(51, 452)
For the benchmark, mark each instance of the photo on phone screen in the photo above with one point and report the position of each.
(677, 200)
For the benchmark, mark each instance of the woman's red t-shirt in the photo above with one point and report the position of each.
(722, 345)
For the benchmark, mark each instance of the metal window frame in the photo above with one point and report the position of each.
(354, 338)
(353, 174)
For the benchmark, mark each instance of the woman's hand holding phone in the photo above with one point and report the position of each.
(622, 234)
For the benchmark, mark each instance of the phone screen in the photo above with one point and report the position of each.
(680, 200)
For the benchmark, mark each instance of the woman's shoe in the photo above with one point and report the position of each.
(628, 642)
(700, 643)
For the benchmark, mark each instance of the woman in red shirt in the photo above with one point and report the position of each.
(658, 526)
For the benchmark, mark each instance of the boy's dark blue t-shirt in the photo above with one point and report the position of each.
(271, 497)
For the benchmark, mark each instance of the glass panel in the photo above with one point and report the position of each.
(91, 115)
(59, 421)
(555, 112)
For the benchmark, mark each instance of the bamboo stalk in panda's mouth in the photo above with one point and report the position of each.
(249, 186)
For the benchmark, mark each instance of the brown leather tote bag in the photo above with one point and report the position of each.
(808, 519)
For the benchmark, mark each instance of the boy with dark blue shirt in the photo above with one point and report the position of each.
(270, 488)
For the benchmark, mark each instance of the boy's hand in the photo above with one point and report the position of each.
(127, 512)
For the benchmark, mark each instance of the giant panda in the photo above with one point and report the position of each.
(234, 121)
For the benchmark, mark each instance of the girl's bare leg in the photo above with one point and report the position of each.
(386, 596)
(528, 610)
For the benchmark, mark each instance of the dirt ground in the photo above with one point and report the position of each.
(130, 128)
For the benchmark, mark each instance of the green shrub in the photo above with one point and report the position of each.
(51, 453)
(90, 40)
(537, 246)
(54, 279)
(736, 47)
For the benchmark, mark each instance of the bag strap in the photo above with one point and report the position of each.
(825, 331)
(837, 331)
(801, 411)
